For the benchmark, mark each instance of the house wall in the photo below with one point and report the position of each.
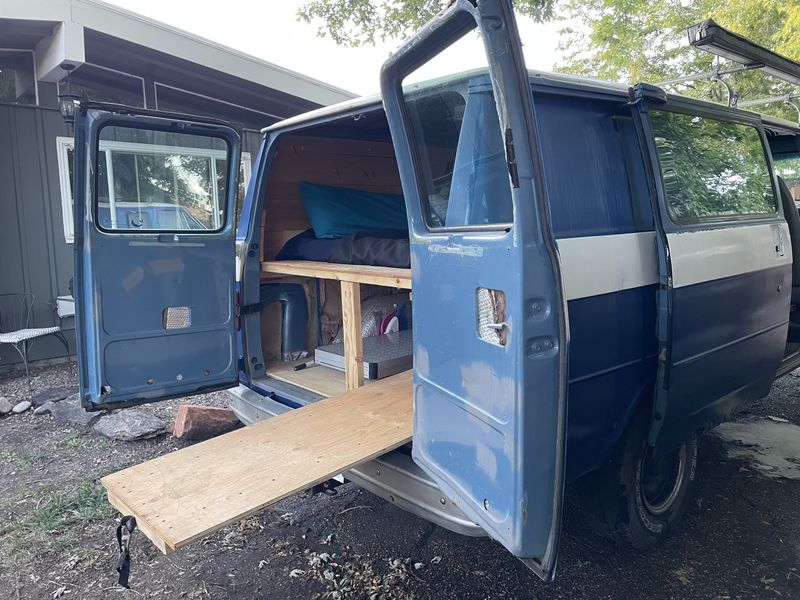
(34, 257)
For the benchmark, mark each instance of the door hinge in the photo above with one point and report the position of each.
(511, 158)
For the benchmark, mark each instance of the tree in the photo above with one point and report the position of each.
(645, 40)
(359, 22)
(621, 40)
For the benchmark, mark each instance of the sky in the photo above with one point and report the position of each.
(269, 30)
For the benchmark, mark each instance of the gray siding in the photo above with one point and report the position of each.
(34, 256)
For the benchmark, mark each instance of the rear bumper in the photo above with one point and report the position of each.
(395, 477)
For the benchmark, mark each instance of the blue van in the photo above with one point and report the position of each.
(598, 273)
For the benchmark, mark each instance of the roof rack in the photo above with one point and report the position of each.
(792, 100)
(710, 37)
(716, 76)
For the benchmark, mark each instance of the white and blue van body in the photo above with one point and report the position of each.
(639, 246)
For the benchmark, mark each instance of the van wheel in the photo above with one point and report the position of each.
(642, 498)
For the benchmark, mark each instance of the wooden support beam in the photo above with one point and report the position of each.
(366, 274)
(353, 342)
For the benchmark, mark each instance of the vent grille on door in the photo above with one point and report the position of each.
(176, 317)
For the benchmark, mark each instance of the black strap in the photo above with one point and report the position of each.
(124, 560)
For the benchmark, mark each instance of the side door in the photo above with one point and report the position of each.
(725, 266)
(154, 255)
(490, 319)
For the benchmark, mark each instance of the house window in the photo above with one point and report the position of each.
(119, 153)
(17, 77)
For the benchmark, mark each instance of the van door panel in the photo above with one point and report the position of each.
(490, 319)
(725, 276)
(155, 304)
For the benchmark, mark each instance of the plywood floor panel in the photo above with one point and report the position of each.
(318, 379)
(188, 494)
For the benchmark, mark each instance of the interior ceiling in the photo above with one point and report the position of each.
(370, 125)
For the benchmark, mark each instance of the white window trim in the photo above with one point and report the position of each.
(65, 144)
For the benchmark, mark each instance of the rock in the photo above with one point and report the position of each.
(70, 411)
(5, 406)
(129, 425)
(55, 394)
(21, 407)
(44, 409)
(203, 422)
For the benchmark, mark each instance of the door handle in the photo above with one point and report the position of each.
(779, 238)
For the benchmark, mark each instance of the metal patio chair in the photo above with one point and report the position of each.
(15, 329)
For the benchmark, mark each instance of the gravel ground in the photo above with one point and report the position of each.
(741, 539)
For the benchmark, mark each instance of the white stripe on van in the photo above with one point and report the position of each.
(603, 264)
(705, 255)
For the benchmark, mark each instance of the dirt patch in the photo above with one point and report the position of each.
(57, 529)
(740, 539)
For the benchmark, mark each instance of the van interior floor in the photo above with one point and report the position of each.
(188, 494)
(318, 379)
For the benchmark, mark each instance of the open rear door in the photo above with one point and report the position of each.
(154, 255)
(490, 317)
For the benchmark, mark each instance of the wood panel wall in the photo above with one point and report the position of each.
(363, 165)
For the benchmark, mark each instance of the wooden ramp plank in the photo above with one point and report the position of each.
(188, 494)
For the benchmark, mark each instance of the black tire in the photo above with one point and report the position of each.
(640, 501)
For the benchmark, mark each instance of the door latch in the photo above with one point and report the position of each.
(492, 321)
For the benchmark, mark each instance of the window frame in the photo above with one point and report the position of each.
(116, 72)
(35, 73)
(721, 220)
(416, 155)
(212, 156)
(64, 145)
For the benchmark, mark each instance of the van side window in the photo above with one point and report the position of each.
(593, 165)
(152, 180)
(462, 154)
(711, 169)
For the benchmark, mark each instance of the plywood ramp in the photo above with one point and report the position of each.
(185, 495)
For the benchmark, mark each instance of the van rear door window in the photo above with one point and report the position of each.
(457, 137)
(711, 169)
(151, 180)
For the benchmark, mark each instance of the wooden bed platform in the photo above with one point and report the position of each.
(386, 276)
(351, 278)
(188, 494)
